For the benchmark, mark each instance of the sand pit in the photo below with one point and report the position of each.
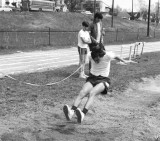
(129, 116)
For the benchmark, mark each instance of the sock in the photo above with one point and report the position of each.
(85, 111)
(74, 108)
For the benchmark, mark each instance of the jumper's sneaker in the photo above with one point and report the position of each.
(68, 112)
(80, 115)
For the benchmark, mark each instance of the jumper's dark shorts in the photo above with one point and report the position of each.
(94, 80)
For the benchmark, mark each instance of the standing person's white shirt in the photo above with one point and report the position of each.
(86, 37)
(83, 48)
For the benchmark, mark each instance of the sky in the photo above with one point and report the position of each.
(127, 4)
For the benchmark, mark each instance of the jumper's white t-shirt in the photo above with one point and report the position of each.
(85, 35)
(103, 67)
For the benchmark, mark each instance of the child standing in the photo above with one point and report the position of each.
(83, 41)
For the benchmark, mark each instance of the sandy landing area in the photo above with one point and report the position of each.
(129, 116)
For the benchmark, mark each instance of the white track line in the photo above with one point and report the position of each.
(35, 66)
(25, 62)
(24, 56)
(38, 61)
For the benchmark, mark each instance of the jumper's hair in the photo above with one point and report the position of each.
(97, 53)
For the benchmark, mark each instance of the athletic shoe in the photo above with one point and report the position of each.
(86, 75)
(83, 76)
(68, 112)
(80, 115)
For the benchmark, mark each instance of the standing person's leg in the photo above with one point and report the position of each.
(69, 112)
(80, 60)
(83, 61)
(79, 52)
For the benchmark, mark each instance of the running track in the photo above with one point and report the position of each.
(42, 60)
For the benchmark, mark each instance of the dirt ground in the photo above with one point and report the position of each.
(130, 116)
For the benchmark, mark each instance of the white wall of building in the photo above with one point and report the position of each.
(103, 5)
(2, 3)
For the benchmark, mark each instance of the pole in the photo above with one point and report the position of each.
(157, 14)
(158, 8)
(148, 18)
(49, 33)
(132, 16)
(71, 6)
(132, 7)
(94, 7)
(112, 12)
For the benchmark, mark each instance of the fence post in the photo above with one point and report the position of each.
(16, 36)
(6, 39)
(138, 34)
(49, 33)
(130, 53)
(117, 35)
(154, 32)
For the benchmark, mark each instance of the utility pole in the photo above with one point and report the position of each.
(158, 8)
(132, 7)
(112, 12)
(71, 6)
(132, 16)
(148, 17)
(94, 7)
(157, 14)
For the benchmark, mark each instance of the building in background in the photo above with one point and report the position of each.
(60, 6)
(44, 5)
(2, 3)
(41, 5)
(100, 6)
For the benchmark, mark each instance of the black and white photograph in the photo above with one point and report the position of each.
(79, 70)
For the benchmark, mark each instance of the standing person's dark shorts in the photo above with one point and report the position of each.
(82, 51)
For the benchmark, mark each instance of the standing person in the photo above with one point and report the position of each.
(83, 41)
(97, 83)
(96, 31)
(157, 21)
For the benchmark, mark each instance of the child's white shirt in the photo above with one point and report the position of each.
(86, 36)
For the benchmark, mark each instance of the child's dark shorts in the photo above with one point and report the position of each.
(82, 51)
(94, 80)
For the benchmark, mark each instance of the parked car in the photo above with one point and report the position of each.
(6, 9)
(86, 12)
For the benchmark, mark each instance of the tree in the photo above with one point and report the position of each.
(144, 15)
(14, 4)
(143, 9)
(72, 5)
(119, 9)
(142, 6)
(7, 2)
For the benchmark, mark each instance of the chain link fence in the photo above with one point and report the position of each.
(35, 39)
